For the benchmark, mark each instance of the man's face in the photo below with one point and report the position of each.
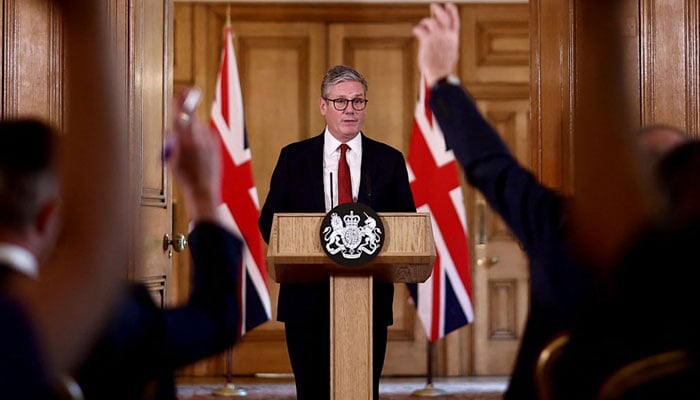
(659, 142)
(344, 125)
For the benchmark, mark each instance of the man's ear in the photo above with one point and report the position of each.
(322, 105)
(48, 216)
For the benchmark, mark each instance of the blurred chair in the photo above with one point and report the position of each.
(671, 374)
(545, 364)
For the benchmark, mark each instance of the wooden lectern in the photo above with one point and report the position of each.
(295, 255)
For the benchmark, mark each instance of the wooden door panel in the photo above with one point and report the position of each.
(500, 272)
(669, 61)
(495, 68)
(150, 92)
(32, 67)
(281, 67)
(495, 43)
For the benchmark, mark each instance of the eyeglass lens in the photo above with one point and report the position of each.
(341, 104)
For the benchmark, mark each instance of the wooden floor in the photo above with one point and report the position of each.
(282, 388)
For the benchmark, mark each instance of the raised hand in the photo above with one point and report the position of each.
(193, 154)
(438, 41)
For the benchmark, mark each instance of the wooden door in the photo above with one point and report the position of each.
(32, 85)
(500, 268)
(495, 69)
(149, 86)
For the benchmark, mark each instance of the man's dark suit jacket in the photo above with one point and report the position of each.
(297, 186)
(560, 285)
(145, 344)
(22, 370)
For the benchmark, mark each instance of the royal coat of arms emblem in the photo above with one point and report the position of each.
(352, 234)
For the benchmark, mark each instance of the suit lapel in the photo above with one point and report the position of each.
(314, 160)
(368, 169)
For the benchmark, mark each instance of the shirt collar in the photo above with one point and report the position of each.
(19, 259)
(331, 144)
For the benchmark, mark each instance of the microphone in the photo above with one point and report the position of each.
(330, 181)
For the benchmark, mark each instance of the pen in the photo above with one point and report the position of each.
(188, 107)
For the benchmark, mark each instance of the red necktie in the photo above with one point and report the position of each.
(344, 186)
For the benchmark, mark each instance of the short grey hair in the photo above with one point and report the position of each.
(341, 73)
(28, 171)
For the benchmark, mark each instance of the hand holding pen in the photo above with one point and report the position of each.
(193, 153)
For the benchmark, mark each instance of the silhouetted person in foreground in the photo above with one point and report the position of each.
(48, 324)
(649, 304)
(561, 282)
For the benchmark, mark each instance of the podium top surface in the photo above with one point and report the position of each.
(295, 253)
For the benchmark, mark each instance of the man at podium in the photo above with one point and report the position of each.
(314, 175)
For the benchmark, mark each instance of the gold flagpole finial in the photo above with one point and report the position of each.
(228, 15)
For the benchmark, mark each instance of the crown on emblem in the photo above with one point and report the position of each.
(351, 220)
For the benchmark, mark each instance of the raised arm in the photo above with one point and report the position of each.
(531, 210)
(194, 156)
(611, 201)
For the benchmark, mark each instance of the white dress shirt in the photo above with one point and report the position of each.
(19, 258)
(331, 155)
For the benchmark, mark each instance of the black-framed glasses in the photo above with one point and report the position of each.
(341, 104)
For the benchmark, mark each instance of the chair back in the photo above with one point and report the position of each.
(671, 374)
(545, 365)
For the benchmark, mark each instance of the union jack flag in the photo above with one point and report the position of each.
(240, 206)
(443, 302)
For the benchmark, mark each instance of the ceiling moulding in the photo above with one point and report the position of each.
(353, 1)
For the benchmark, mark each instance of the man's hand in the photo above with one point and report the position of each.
(438, 42)
(193, 153)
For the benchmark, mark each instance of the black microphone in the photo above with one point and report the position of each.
(330, 181)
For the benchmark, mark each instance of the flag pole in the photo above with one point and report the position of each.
(229, 390)
(230, 122)
(429, 390)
